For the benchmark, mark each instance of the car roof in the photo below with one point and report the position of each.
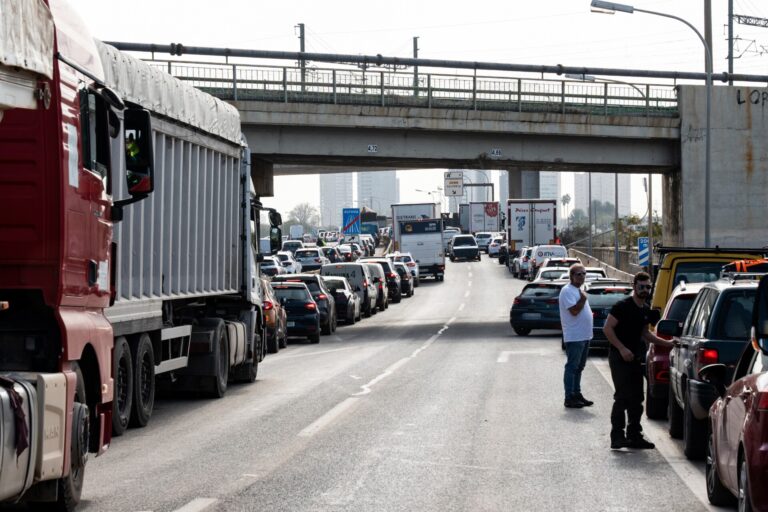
(297, 277)
(282, 284)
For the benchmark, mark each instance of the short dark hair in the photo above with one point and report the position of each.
(641, 276)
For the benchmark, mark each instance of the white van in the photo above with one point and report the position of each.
(542, 252)
(359, 279)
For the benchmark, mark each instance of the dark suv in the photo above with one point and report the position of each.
(320, 293)
(714, 332)
(393, 279)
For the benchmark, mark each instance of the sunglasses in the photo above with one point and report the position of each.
(579, 273)
(644, 286)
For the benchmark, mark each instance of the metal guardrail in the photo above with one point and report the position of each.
(430, 90)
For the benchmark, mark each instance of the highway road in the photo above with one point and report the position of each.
(432, 405)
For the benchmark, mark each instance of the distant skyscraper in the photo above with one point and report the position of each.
(335, 195)
(603, 190)
(378, 190)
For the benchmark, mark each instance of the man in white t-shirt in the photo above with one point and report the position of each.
(576, 320)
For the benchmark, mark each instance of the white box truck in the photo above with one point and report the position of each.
(464, 217)
(424, 240)
(484, 216)
(531, 222)
(408, 212)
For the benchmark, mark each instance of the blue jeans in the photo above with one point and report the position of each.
(576, 353)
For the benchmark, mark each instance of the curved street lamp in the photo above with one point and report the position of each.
(610, 8)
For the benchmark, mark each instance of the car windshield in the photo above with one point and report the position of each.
(606, 297)
(291, 294)
(268, 263)
(304, 254)
(680, 307)
(335, 284)
(463, 241)
(482, 235)
(539, 291)
(405, 259)
(551, 274)
(283, 257)
(697, 272)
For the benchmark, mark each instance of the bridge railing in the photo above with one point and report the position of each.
(430, 90)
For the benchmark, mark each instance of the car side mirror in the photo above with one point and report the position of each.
(669, 328)
(715, 374)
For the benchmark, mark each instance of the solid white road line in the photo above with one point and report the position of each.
(305, 354)
(692, 475)
(198, 505)
(327, 418)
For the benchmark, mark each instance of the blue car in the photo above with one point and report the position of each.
(537, 307)
(303, 315)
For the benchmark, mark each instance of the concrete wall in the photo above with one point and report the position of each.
(739, 169)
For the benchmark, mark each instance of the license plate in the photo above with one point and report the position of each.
(531, 316)
(291, 324)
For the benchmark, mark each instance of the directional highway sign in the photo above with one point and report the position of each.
(643, 252)
(351, 221)
(454, 183)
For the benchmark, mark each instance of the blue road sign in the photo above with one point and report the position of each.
(643, 251)
(351, 221)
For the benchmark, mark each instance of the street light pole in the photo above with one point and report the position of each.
(610, 8)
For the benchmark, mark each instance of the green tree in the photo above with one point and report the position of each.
(304, 214)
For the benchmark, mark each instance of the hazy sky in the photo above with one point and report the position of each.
(524, 32)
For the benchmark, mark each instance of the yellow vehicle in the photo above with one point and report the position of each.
(693, 265)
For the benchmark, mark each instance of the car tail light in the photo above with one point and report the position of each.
(365, 284)
(762, 401)
(381, 286)
(706, 356)
(525, 258)
(391, 275)
(411, 264)
(322, 296)
(311, 306)
(662, 376)
(268, 305)
(517, 301)
(441, 267)
(318, 260)
(551, 301)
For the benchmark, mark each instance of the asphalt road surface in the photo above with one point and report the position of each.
(432, 405)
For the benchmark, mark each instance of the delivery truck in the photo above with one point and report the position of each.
(484, 216)
(424, 240)
(531, 222)
(464, 217)
(127, 257)
(408, 212)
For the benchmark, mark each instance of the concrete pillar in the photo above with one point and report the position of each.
(262, 175)
(515, 177)
(672, 208)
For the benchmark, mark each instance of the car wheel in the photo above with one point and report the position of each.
(452, 258)
(273, 345)
(675, 415)
(521, 331)
(440, 277)
(416, 282)
(283, 341)
(315, 338)
(717, 493)
(655, 407)
(745, 498)
(694, 430)
(326, 329)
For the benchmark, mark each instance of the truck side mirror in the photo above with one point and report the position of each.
(139, 156)
(275, 239)
(275, 219)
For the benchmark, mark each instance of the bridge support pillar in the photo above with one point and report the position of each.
(515, 183)
(262, 175)
(523, 184)
(672, 208)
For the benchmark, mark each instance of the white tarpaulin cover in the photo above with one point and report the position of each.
(26, 36)
(26, 51)
(159, 92)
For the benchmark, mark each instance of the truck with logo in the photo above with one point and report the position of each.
(484, 216)
(409, 212)
(424, 240)
(127, 256)
(530, 222)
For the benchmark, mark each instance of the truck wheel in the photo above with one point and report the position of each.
(246, 372)
(694, 430)
(675, 415)
(218, 382)
(143, 381)
(123, 400)
(655, 407)
(70, 487)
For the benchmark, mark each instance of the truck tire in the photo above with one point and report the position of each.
(217, 386)
(70, 487)
(694, 431)
(246, 372)
(143, 380)
(655, 406)
(123, 400)
(675, 415)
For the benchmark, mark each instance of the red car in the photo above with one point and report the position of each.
(657, 360)
(737, 448)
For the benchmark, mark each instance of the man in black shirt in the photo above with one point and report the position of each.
(627, 331)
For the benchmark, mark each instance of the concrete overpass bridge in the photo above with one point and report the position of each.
(300, 120)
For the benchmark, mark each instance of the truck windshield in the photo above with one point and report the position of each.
(697, 271)
(463, 241)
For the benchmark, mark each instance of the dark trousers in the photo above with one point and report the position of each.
(628, 398)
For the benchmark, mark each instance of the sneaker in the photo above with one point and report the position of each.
(573, 403)
(640, 443)
(583, 400)
(618, 443)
